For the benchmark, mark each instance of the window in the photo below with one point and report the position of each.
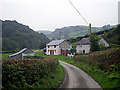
(54, 46)
(48, 46)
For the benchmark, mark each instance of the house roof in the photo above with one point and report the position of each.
(83, 41)
(55, 42)
(21, 52)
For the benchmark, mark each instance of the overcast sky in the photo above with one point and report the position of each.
(52, 14)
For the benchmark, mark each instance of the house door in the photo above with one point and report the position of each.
(51, 52)
(83, 51)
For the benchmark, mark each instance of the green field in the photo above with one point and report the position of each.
(5, 56)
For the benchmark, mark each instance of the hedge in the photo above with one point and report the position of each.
(20, 73)
(105, 60)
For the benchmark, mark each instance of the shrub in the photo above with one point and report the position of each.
(105, 60)
(23, 73)
(33, 57)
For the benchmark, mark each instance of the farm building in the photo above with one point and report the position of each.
(22, 53)
(58, 47)
(83, 46)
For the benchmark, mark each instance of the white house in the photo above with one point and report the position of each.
(83, 46)
(102, 41)
(58, 47)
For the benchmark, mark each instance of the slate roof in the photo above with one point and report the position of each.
(83, 41)
(55, 42)
(21, 52)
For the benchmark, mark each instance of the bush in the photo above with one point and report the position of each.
(105, 60)
(23, 73)
(33, 57)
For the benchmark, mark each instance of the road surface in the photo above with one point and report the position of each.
(78, 78)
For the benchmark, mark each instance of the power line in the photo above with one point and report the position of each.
(78, 12)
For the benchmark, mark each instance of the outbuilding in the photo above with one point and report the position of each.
(22, 53)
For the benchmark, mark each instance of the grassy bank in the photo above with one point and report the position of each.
(107, 78)
(29, 73)
(5, 55)
(103, 78)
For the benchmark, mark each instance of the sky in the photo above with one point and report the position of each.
(52, 14)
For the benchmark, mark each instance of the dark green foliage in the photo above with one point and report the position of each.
(72, 40)
(106, 60)
(25, 73)
(94, 45)
(112, 36)
(34, 57)
(105, 64)
(42, 44)
(16, 35)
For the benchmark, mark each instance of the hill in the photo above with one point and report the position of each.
(18, 36)
(72, 31)
(112, 36)
(46, 32)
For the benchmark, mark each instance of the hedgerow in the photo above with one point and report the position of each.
(103, 66)
(24, 73)
(106, 60)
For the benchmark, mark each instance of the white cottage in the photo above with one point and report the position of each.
(58, 47)
(83, 46)
(102, 41)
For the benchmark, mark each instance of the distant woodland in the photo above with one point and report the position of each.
(18, 36)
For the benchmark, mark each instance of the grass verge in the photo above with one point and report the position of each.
(103, 78)
(5, 56)
(53, 80)
(97, 74)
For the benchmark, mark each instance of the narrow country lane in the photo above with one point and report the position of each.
(78, 78)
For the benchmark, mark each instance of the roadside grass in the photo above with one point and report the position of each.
(5, 56)
(102, 77)
(97, 74)
(53, 80)
(59, 57)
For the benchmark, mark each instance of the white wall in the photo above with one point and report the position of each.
(102, 41)
(80, 48)
(27, 54)
(57, 50)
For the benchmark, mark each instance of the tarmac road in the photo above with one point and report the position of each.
(78, 78)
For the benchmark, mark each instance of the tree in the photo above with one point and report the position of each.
(19, 36)
(42, 45)
(94, 45)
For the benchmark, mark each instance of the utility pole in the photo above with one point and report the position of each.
(81, 16)
(90, 28)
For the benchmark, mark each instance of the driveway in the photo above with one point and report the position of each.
(78, 78)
